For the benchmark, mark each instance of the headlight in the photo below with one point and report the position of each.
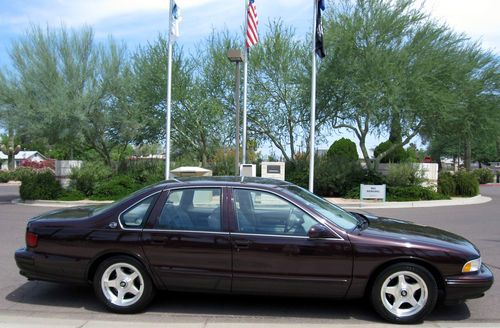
(472, 266)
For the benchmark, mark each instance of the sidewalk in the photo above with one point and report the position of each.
(30, 320)
(356, 203)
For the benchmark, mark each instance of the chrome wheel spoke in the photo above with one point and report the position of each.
(404, 287)
(122, 284)
(394, 291)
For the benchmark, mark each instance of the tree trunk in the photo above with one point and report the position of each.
(467, 154)
(11, 150)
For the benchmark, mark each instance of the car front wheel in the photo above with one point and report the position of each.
(404, 293)
(123, 285)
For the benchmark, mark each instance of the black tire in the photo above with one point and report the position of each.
(123, 285)
(407, 299)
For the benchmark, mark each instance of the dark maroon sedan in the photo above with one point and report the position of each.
(250, 236)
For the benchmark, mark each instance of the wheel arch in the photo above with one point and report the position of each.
(438, 277)
(94, 264)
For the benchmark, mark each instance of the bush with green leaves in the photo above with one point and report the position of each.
(20, 173)
(412, 193)
(343, 149)
(398, 155)
(116, 187)
(466, 184)
(85, 178)
(404, 174)
(41, 184)
(143, 171)
(446, 184)
(5, 176)
(336, 176)
(484, 175)
(297, 171)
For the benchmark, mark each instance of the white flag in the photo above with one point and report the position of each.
(176, 19)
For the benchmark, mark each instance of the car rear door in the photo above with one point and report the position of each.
(186, 242)
(273, 254)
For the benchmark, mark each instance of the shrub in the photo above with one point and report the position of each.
(84, 179)
(404, 174)
(446, 184)
(484, 175)
(114, 188)
(71, 194)
(40, 185)
(413, 193)
(21, 173)
(5, 176)
(396, 156)
(466, 184)
(344, 149)
(336, 176)
(143, 171)
(297, 171)
(49, 163)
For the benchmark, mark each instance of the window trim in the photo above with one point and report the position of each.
(131, 206)
(180, 188)
(307, 211)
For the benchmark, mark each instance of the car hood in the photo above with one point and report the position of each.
(71, 213)
(408, 232)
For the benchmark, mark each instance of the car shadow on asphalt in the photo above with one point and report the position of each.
(45, 294)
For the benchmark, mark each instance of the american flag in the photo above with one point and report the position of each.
(253, 21)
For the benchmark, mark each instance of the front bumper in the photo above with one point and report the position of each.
(467, 286)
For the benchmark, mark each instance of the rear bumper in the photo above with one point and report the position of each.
(467, 286)
(35, 266)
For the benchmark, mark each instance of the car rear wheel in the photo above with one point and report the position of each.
(123, 285)
(404, 293)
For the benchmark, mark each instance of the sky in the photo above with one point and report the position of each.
(137, 22)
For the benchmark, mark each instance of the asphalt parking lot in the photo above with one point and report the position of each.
(42, 302)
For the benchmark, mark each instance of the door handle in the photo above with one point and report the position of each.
(240, 244)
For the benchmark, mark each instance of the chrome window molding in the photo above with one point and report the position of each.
(125, 210)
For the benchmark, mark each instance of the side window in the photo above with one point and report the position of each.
(135, 216)
(265, 213)
(197, 209)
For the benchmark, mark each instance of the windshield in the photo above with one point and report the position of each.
(331, 212)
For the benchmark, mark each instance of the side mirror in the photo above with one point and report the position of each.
(319, 231)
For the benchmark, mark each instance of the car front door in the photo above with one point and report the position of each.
(185, 242)
(272, 252)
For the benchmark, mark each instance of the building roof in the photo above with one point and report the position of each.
(24, 154)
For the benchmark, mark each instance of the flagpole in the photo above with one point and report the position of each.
(169, 94)
(313, 101)
(245, 85)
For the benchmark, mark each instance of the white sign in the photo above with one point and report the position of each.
(372, 192)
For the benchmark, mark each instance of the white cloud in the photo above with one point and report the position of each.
(479, 19)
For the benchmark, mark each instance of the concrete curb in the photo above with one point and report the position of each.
(356, 204)
(347, 204)
(60, 203)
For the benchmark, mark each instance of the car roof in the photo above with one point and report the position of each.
(226, 181)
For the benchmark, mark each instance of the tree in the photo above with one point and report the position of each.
(70, 91)
(470, 125)
(388, 67)
(278, 74)
(201, 95)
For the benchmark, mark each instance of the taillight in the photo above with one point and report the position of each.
(31, 239)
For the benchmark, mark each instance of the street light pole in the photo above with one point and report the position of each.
(236, 56)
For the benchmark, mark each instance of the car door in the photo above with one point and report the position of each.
(272, 252)
(185, 242)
